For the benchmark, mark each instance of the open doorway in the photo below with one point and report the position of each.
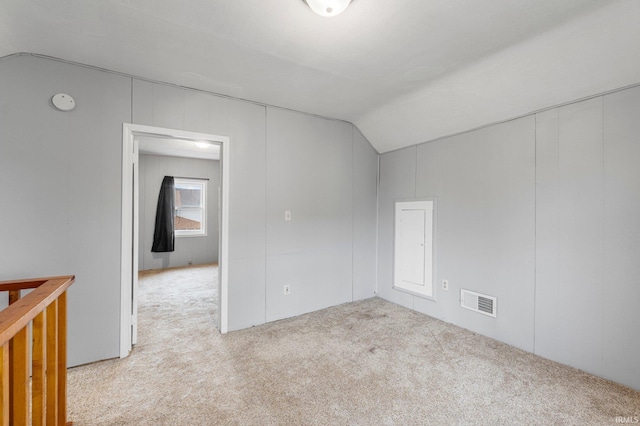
(200, 161)
(192, 262)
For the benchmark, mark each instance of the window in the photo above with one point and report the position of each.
(191, 207)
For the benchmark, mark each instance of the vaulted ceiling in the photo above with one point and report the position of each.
(404, 72)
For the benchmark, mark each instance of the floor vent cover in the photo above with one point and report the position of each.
(477, 302)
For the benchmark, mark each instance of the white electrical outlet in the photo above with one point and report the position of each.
(445, 285)
(286, 289)
(287, 215)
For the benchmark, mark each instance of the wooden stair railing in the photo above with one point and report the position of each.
(33, 352)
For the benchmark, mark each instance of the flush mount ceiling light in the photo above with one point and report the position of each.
(328, 8)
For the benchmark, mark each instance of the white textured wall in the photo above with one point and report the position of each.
(588, 236)
(188, 250)
(282, 160)
(484, 185)
(63, 170)
(309, 172)
(543, 213)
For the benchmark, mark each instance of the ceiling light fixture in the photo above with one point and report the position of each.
(328, 8)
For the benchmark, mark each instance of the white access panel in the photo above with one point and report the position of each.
(413, 247)
(411, 233)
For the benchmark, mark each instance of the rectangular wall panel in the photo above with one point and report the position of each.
(575, 298)
(247, 233)
(547, 233)
(397, 181)
(621, 289)
(484, 182)
(309, 173)
(67, 171)
(365, 199)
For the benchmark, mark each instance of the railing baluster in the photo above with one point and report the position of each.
(62, 359)
(38, 390)
(14, 296)
(19, 354)
(19, 371)
(4, 384)
(52, 363)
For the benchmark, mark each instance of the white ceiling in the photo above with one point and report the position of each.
(404, 72)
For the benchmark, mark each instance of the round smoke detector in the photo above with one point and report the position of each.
(63, 102)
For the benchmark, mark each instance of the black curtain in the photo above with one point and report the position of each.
(164, 235)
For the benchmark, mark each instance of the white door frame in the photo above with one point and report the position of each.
(129, 249)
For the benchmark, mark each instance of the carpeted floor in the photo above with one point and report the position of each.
(364, 363)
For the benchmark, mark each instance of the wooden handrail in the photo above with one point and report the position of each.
(30, 283)
(39, 399)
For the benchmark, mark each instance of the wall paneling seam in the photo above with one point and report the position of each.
(535, 224)
(266, 204)
(603, 211)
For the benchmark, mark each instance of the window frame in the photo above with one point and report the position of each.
(203, 232)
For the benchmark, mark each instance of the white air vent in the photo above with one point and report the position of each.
(477, 302)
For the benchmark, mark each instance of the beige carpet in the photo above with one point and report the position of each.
(365, 363)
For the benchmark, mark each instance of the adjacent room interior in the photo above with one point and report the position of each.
(383, 213)
(195, 167)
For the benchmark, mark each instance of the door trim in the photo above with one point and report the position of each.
(129, 223)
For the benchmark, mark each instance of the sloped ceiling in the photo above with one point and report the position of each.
(403, 72)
